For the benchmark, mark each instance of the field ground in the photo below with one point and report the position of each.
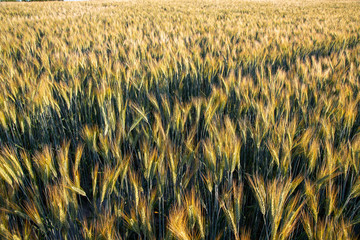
(180, 120)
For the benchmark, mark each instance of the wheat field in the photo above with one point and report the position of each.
(180, 120)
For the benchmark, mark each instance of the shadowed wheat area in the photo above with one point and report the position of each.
(180, 120)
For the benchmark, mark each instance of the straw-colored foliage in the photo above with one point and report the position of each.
(180, 120)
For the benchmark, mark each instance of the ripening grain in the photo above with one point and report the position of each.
(180, 120)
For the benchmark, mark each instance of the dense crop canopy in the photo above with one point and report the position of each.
(180, 120)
